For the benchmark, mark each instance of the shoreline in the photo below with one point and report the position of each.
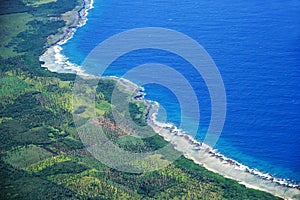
(199, 152)
(209, 158)
(77, 18)
(52, 58)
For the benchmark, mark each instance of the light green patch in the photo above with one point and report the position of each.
(52, 101)
(128, 139)
(83, 105)
(152, 163)
(11, 26)
(102, 107)
(87, 184)
(36, 3)
(39, 166)
(12, 86)
(174, 172)
(64, 84)
(26, 156)
(4, 119)
(86, 104)
(89, 161)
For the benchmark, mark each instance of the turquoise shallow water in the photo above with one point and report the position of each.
(256, 48)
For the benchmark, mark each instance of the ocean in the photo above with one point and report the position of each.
(256, 47)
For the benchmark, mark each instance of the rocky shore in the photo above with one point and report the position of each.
(74, 19)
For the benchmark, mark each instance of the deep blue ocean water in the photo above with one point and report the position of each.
(256, 46)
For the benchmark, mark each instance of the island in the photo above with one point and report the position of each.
(42, 154)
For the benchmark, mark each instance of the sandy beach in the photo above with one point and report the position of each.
(200, 153)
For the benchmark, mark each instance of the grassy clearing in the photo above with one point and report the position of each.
(25, 156)
(11, 26)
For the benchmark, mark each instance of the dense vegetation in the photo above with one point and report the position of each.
(42, 156)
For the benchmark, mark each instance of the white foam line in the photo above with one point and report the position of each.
(52, 58)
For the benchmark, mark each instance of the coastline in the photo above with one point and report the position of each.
(52, 58)
(209, 158)
(200, 153)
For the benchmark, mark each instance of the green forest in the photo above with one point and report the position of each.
(42, 156)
